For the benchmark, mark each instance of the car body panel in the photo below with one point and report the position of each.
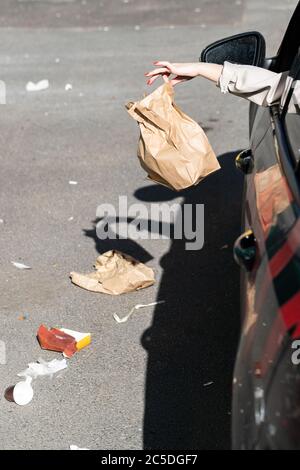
(263, 416)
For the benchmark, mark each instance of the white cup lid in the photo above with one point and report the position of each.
(23, 393)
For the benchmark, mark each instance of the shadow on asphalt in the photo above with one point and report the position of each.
(194, 335)
(128, 246)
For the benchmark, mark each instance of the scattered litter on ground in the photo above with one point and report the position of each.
(136, 307)
(20, 265)
(57, 60)
(62, 340)
(43, 368)
(73, 182)
(74, 447)
(39, 86)
(70, 219)
(68, 87)
(1, 221)
(21, 393)
(207, 384)
(82, 339)
(137, 27)
(23, 317)
(116, 273)
(106, 28)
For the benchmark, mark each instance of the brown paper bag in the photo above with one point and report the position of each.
(116, 273)
(173, 149)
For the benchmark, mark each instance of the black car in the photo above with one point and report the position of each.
(266, 383)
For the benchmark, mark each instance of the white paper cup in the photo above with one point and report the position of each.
(21, 393)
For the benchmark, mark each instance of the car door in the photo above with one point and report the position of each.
(269, 249)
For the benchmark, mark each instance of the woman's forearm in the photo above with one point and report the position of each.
(210, 71)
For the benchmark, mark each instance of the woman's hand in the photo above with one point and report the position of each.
(182, 72)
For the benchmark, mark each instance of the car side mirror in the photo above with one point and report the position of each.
(245, 48)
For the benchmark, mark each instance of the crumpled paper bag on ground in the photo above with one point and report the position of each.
(116, 273)
(173, 149)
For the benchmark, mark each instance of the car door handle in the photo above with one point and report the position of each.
(244, 161)
(244, 250)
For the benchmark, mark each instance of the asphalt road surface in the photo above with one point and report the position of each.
(162, 380)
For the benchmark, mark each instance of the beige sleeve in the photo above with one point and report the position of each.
(256, 84)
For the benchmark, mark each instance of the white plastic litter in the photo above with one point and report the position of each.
(68, 87)
(207, 384)
(136, 307)
(43, 368)
(39, 86)
(23, 392)
(73, 182)
(20, 265)
(74, 447)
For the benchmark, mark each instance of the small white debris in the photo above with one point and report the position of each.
(171, 26)
(106, 28)
(125, 1)
(197, 10)
(57, 60)
(68, 87)
(20, 265)
(136, 307)
(137, 27)
(207, 384)
(203, 25)
(73, 182)
(70, 219)
(1, 221)
(74, 447)
(41, 367)
(39, 86)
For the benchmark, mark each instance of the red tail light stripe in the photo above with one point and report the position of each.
(280, 259)
(291, 313)
(283, 256)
